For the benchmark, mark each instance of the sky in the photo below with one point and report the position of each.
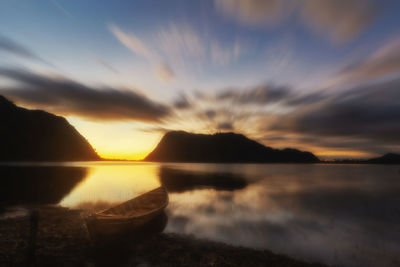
(321, 76)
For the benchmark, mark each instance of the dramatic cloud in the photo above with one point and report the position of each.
(386, 60)
(222, 56)
(9, 46)
(185, 47)
(358, 121)
(225, 126)
(260, 95)
(68, 97)
(339, 20)
(252, 12)
(105, 64)
(368, 113)
(210, 114)
(179, 43)
(163, 71)
(181, 48)
(131, 41)
(182, 102)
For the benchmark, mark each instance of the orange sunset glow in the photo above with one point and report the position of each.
(193, 133)
(284, 74)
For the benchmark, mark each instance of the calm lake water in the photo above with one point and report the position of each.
(342, 215)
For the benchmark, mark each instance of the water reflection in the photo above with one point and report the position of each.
(344, 215)
(182, 180)
(37, 185)
(112, 183)
(340, 215)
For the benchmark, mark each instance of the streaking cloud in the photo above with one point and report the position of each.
(133, 43)
(9, 46)
(339, 20)
(284, 72)
(68, 97)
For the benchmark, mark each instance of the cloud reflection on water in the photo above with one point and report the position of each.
(341, 215)
(346, 215)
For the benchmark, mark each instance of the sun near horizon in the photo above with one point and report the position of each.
(113, 144)
(88, 89)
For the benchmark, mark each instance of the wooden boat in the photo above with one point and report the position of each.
(130, 216)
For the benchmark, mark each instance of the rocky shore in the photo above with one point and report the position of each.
(55, 236)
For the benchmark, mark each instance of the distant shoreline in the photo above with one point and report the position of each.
(338, 162)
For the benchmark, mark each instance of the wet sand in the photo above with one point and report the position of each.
(61, 239)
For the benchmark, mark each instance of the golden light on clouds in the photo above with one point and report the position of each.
(343, 154)
(320, 76)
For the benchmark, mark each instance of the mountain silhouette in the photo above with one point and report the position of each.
(36, 135)
(389, 158)
(180, 146)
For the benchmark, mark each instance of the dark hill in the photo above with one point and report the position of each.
(35, 135)
(179, 146)
(389, 158)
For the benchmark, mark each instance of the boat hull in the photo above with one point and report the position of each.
(114, 229)
(136, 217)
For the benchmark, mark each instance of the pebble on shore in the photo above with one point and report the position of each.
(62, 240)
